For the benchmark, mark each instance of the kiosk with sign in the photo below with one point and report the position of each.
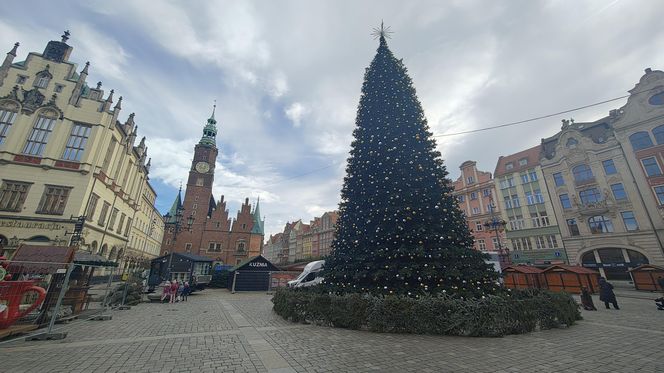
(251, 275)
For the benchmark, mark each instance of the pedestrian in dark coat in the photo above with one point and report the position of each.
(660, 282)
(606, 293)
(587, 300)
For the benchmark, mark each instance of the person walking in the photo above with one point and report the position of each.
(174, 290)
(166, 291)
(587, 300)
(606, 293)
(185, 291)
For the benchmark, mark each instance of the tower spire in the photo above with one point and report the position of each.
(210, 129)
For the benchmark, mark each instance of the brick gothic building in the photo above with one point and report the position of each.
(199, 225)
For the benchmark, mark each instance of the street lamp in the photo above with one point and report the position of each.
(496, 225)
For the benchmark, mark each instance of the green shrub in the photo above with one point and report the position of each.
(509, 312)
(219, 279)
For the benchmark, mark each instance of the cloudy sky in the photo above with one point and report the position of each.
(287, 77)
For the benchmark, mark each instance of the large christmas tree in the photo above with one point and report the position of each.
(400, 230)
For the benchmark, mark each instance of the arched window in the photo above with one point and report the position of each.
(571, 143)
(658, 132)
(582, 173)
(103, 250)
(39, 239)
(600, 224)
(640, 140)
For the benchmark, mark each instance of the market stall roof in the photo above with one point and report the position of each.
(575, 269)
(523, 269)
(36, 259)
(647, 267)
(265, 264)
(86, 258)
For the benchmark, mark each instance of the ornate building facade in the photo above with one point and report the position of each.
(607, 180)
(475, 191)
(200, 225)
(64, 154)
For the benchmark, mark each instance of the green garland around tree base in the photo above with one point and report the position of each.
(509, 312)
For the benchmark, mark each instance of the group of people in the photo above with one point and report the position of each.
(606, 295)
(175, 291)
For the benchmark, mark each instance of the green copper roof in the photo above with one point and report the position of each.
(210, 131)
(171, 216)
(258, 227)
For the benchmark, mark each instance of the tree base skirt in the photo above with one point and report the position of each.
(510, 312)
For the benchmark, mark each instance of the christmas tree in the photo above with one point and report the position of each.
(400, 230)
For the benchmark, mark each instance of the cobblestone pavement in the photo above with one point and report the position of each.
(221, 332)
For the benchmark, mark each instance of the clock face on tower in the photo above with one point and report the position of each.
(202, 167)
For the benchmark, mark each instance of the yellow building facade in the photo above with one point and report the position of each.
(64, 154)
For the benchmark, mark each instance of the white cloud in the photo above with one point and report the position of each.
(295, 112)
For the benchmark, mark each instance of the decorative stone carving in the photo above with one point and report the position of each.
(32, 100)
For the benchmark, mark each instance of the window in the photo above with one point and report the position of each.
(526, 243)
(238, 261)
(506, 183)
(481, 245)
(470, 180)
(564, 201)
(240, 246)
(12, 195)
(571, 143)
(508, 202)
(524, 178)
(509, 166)
(659, 191)
(486, 192)
(187, 247)
(478, 226)
(121, 223)
(538, 196)
(21, 79)
(53, 200)
(39, 136)
(195, 206)
(490, 207)
(92, 205)
(539, 219)
(515, 201)
(523, 161)
(609, 167)
(114, 214)
(461, 198)
(59, 88)
(516, 222)
(629, 220)
(651, 166)
(529, 198)
(573, 227)
(582, 173)
(552, 242)
(473, 195)
(495, 243)
(76, 143)
(199, 181)
(591, 195)
(41, 81)
(600, 224)
(6, 121)
(540, 242)
(658, 132)
(533, 175)
(558, 179)
(126, 233)
(516, 245)
(104, 212)
(618, 191)
(106, 166)
(214, 246)
(640, 140)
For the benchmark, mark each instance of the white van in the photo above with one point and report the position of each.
(311, 275)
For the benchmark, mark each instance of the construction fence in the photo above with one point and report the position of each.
(38, 295)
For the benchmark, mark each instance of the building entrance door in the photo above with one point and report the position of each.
(613, 263)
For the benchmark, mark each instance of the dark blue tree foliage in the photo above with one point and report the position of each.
(400, 230)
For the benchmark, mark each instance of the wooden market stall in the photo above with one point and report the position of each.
(570, 279)
(522, 277)
(645, 277)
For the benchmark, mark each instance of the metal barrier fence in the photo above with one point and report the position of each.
(38, 295)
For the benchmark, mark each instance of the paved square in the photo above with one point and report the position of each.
(217, 331)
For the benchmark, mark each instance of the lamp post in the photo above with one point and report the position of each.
(496, 225)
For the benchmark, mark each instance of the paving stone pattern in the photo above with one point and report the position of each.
(221, 332)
